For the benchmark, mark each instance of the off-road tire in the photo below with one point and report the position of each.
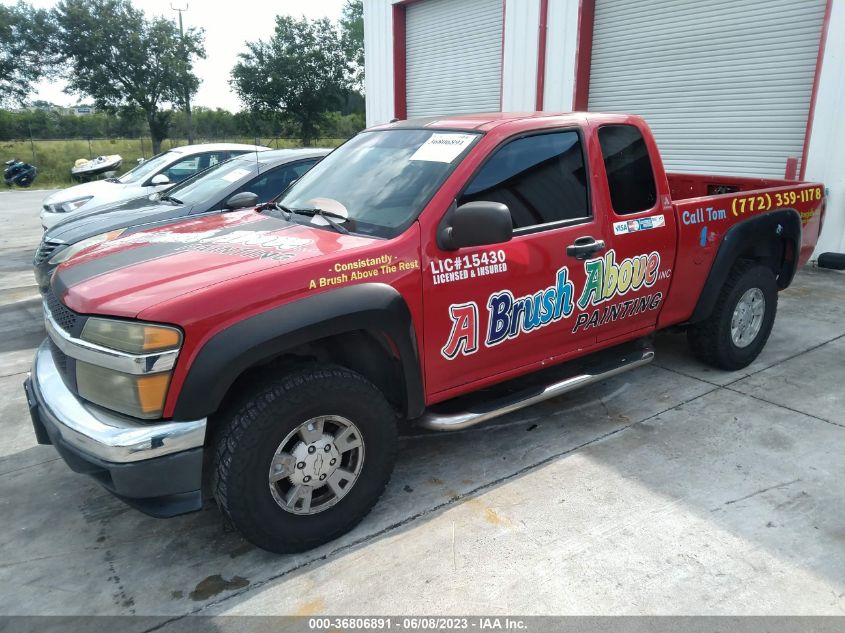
(710, 340)
(255, 424)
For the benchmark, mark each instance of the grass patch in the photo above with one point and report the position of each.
(55, 158)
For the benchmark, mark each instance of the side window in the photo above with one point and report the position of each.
(629, 173)
(541, 179)
(186, 168)
(270, 184)
(300, 168)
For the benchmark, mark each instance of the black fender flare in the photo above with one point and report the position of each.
(783, 224)
(372, 307)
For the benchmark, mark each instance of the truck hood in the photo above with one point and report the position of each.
(125, 276)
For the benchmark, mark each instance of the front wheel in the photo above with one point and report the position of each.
(737, 330)
(301, 460)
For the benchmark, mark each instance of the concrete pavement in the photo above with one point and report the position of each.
(674, 489)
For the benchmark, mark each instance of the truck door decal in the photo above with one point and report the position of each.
(642, 224)
(463, 339)
(617, 311)
(607, 279)
(511, 317)
(508, 317)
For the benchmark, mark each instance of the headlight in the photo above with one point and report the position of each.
(131, 337)
(138, 395)
(71, 205)
(73, 249)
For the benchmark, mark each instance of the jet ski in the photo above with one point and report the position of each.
(102, 164)
(19, 173)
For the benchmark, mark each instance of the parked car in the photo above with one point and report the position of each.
(434, 272)
(243, 181)
(158, 173)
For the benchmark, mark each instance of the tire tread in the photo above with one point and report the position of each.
(241, 432)
(709, 340)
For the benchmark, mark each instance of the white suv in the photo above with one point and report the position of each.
(160, 172)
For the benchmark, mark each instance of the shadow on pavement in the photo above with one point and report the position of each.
(768, 476)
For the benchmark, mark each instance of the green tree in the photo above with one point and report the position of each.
(23, 57)
(125, 61)
(352, 37)
(301, 72)
(217, 124)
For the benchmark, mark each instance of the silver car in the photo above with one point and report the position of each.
(158, 173)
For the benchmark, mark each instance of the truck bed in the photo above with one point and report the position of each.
(684, 186)
(706, 206)
(707, 198)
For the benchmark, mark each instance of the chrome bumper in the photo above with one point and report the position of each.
(107, 436)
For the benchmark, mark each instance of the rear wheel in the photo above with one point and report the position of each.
(737, 330)
(301, 460)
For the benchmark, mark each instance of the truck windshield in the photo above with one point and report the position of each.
(380, 180)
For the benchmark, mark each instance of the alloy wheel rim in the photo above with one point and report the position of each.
(316, 465)
(747, 319)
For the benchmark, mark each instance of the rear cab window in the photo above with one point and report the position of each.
(541, 178)
(630, 176)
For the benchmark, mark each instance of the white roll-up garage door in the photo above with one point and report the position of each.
(453, 56)
(724, 84)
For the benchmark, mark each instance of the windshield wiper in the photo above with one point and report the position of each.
(327, 216)
(171, 199)
(323, 213)
(286, 213)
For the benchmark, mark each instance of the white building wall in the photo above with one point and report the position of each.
(378, 60)
(519, 67)
(519, 75)
(453, 57)
(826, 155)
(561, 45)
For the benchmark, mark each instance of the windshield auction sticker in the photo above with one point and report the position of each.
(443, 148)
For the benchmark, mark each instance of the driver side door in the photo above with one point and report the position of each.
(492, 310)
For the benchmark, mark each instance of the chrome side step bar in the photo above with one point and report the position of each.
(460, 420)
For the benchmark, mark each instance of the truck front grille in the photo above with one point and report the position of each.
(70, 322)
(64, 317)
(59, 357)
(45, 250)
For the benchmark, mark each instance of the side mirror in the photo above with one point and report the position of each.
(475, 224)
(160, 179)
(242, 200)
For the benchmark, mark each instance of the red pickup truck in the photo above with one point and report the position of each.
(278, 350)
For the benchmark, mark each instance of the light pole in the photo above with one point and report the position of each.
(189, 119)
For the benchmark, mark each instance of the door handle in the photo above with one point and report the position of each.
(584, 247)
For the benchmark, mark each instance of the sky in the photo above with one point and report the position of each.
(227, 26)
